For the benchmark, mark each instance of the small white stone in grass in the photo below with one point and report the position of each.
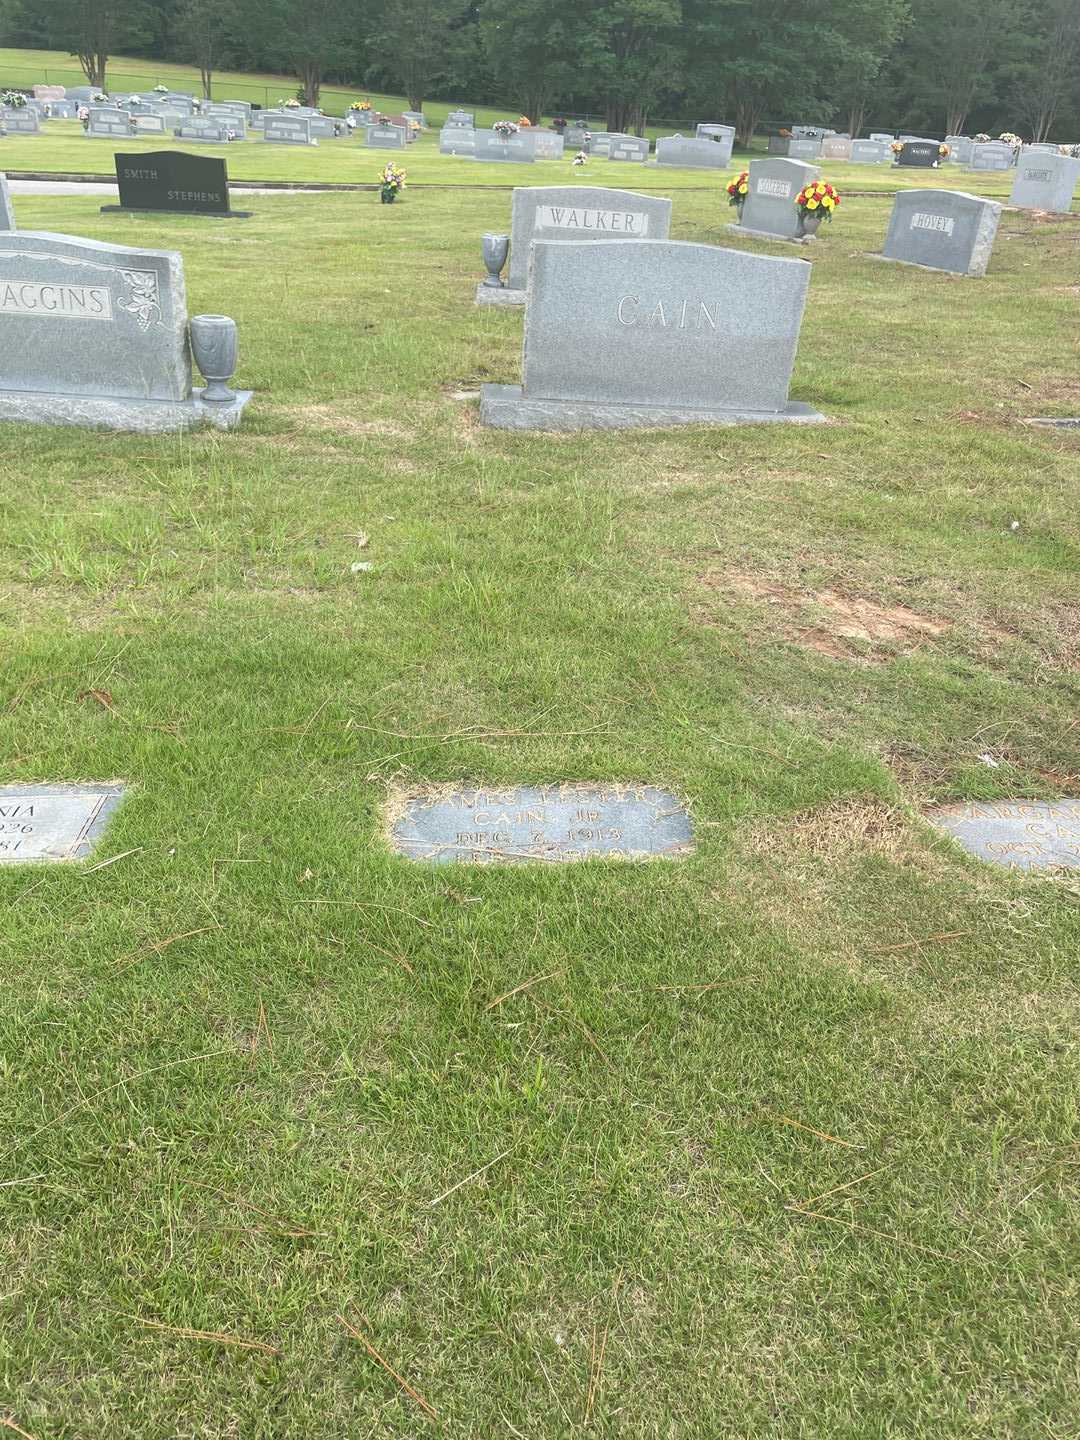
(1015, 525)
(361, 565)
(988, 759)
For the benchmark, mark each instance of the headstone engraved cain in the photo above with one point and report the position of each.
(97, 335)
(942, 230)
(573, 213)
(1045, 182)
(7, 214)
(1019, 834)
(657, 333)
(53, 822)
(770, 208)
(542, 823)
(173, 182)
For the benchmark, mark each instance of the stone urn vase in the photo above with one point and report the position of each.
(214, 345)
(494, 249)
(809, 225)
(387, 195)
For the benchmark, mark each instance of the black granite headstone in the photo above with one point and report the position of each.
(173, 182)
(922, 153)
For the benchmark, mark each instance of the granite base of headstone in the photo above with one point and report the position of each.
(48, 824)
(1021, 835)
(552, 824)
(654, 333)
(573, 214)
(172, 182)
(942, 230)
(97, 335)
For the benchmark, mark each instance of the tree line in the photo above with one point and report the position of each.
(942, 66)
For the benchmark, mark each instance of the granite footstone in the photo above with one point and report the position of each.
(654, 333)
(541, 824)
(53, 823)
(1021, 835)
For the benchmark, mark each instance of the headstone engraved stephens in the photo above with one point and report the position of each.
(53, 822)
(542, 823)
(1019, 834)
(174, 182)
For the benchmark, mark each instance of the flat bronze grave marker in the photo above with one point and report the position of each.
(1019, 834)
(542, 823)
(53, 822)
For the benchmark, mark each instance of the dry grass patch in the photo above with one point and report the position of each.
(329, 417)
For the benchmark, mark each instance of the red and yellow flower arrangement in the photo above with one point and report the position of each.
(738, 188)
(818, 197)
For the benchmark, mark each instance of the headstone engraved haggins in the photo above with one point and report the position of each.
(555, 824)
(98, 335)
(942, 230)
(175, 183)
(572, 213)
(1019, 834)
(654, 333)
(53, 822)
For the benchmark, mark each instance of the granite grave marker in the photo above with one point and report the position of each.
(770, 208)
(919, 154)
(633, 148)
(387, 137)
(51, 823)
(942, 230)
(1018, 834)
(689, 154)
(173, 182)
(1045, 182)
(7, 213)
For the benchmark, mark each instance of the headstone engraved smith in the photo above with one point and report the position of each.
(174, 182)
(654, 332)
(53, 822)
(542, 823)
(97, 335)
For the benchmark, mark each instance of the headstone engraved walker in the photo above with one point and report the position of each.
(571, 213)
(654, 333)
(173, 182)
(97, 335)
(942, 230)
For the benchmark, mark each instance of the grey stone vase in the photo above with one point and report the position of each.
(214, 345)
(495, 249)
(809, 225)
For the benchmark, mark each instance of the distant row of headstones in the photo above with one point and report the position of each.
(709, 149)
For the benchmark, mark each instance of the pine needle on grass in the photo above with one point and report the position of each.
(216, 1336)
(414, 1394)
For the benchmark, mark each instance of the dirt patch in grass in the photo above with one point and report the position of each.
(328, 417)
(844, 627)
(856, 823)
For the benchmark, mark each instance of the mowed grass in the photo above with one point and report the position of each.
(64, 148)
(781, 1139)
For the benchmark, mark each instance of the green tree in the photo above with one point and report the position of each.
(1051, 74)
(305, 37)
(867, 38)
(200, 33)
(631, 55)
(959, 54)
(89, 29)
(533, 51)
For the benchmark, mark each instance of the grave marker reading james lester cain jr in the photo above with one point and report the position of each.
(574, 213)
(173, 182)
(53, 822)
(654, 332)
(1019, 834)
(97, 335)
(545, 823)
(942, 230)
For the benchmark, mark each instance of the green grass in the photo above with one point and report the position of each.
(542, 608)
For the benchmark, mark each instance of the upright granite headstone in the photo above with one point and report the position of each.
(942, 230)
(629, 147)
(1045, 182)
(98, 335)
(959, 149)
(387, 137)
(518, 149)
(805, 147)
(288, 130)
(779, 144)
(919, 154)
(106, 124)
(654, 333)
(686, 154)
(149, 124)
(457, 140)
(325, 127)
(63, 110)
(7, 214)
(21, 122)
(710, 131)
(547, 145)
(770, 208)
(204, 132)
(836, 147)
(49, 92)
(881, 137)
(573, 213)
(462, 117)
(992, 157)
(869, 152)
(174, 182)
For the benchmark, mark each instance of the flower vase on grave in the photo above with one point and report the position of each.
(495, 249)
(214, 345)
(808, 226)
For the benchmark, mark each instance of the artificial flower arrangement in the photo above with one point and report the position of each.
(161, 89)
(360, 105)
(559, 124)
(580, 158)
(982, 138)
(524, 122)
(896, 146)
(1010, 139)
(944, 151)
(1073, 151)
(738, 189)
(819, 196)
(505, 128)
(13, 99)
(292, 104)
(391, 183)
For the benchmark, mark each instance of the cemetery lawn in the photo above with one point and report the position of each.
(778, 1140)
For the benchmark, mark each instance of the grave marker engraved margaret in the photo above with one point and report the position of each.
(53, 822)
(1019, 834)
(542, 823)
(654, 332)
